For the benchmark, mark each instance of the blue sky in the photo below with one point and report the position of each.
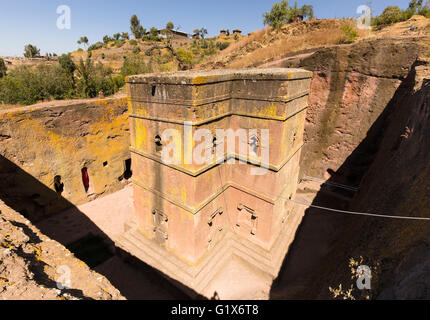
(35, 21)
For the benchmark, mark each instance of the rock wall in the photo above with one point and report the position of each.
(46, 149)
(391, 168)
(352, 86)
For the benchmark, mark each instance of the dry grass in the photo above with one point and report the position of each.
(9, 106)
(284, 46)
(315, 38)
(267, 44)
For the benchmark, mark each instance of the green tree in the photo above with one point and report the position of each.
(3, 69)
(170, 26)
(67, 65)
(83, 40)
(31, 51)
(125, 36)
(416, 5)
(307, 11)
(390, 15)
(153, 34)
(136, 28)
(107, 39)
(278, 15)
(281, 14)
(116, 36)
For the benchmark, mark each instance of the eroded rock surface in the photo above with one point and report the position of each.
(31, 264)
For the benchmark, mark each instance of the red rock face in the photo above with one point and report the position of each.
(351, 87)
(195, 210)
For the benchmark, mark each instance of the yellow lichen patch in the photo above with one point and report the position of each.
(203, 79)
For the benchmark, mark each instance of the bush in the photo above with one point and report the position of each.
(25, 85)
(3, 68)
(136, 50)
(222, 45)
(350, 34)
(185, 55)
(134, 65)
(93, 79)
(393, 14)
(119, 43)
(390, 15)
(96, 46)
(31, 51)
(133, 42)
(281, 14)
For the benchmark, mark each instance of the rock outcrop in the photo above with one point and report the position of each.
(34, 267)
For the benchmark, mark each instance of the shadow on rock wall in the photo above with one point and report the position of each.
(23, 193)
(390, 168)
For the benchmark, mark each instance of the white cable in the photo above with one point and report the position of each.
(358, 213)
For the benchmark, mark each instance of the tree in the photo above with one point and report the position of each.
(125, 36)
(390, 15)
(31, 51)
(116, 36)
(136, 29)
(83, 40)
(277, 16)
(281, 14)
(153, 34)
(170, 26)
(307, 11)
(203, 32)
(416, 5)
(107, 39)
(67, 64)
(3, 68)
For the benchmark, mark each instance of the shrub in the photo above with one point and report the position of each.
(185, 55)
(350, 34)
(96, 46)
(93, 79)
(393, 14)
(25, 85)
(281, 14)
(134, 65)
(31, 51)
(390, 15)
(3, 68)
(133, 42)
(222, 45)
(118, 82)
(107, 39)
(119, 43)
(136, 50)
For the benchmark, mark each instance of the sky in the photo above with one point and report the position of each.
(35, 21)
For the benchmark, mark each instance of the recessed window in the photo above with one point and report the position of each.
(153, 90)
(105, 164)
(127, 173)
(158, 143)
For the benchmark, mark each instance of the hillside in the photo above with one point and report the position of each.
(267, 45)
